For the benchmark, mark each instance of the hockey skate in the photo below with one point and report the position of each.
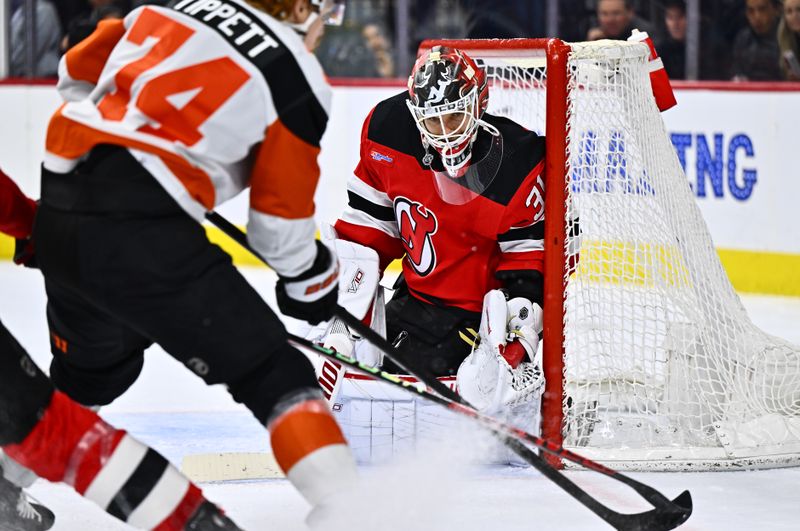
(209, 518)
(17, 513)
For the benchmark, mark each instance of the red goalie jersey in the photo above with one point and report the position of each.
(453, 253)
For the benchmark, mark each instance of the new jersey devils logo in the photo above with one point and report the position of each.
(417, 224)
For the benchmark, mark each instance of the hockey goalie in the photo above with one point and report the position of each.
(457, 194)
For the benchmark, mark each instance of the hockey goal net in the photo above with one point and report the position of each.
(650, 358)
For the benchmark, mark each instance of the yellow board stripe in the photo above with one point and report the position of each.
(6, 247)
(243, 257)
(240, 255)
(749, 271)
(619, 262)
(769, 273)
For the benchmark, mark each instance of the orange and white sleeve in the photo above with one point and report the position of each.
(81, 66)
(284, 179)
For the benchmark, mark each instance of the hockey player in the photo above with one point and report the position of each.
(62, 441)
(458, 194)
(167, 114)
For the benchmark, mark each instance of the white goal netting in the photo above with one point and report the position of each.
(662, 366)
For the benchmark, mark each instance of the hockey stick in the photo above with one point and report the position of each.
(667, 514)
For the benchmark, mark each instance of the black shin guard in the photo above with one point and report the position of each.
(25, 391)
(285, 371)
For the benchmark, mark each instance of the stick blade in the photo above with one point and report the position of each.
(661, 519)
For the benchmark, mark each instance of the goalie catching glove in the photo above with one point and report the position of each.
(503, 369)
(311, 296)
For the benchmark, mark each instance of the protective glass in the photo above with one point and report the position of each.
(332, 11)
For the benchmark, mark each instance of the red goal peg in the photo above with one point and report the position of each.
(659, 80)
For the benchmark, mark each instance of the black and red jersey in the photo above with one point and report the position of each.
(451, 253)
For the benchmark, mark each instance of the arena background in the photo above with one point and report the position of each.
(737, 143)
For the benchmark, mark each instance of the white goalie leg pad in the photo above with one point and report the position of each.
(485, 378)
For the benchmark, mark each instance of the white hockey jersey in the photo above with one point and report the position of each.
(212, 97)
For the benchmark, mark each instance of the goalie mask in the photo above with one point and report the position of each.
(448, 96)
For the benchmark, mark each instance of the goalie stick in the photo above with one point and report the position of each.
(666, 514)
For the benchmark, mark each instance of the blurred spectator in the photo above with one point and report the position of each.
(47, 35)
(575, 17)
(71, 9)
(672, 48)
(82, 27)
(355, 50)
(616, 19)
(789, 40)
(727, 18)
(504, 20)
(379, 44)
(756, 56)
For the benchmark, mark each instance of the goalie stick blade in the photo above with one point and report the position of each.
(662, 519)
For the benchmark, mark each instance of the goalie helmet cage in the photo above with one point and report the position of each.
(650, 358)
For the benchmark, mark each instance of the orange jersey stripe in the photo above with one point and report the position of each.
(303, 429)
(85, 61)
(285, 175)
(71, 140)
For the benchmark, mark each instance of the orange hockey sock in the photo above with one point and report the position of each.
(310, 448)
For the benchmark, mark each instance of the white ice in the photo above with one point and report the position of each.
(172, 410)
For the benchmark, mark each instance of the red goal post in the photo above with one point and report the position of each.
(553, 54)
(650, 359)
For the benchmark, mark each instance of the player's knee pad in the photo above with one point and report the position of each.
(95, 386)
(285, 371)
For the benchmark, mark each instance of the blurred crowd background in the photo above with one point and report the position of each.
(755, 40)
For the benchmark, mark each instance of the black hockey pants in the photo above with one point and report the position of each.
(126, 267)
(430, 335)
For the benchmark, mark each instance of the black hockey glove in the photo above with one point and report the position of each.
(25, 254)
(313, 295)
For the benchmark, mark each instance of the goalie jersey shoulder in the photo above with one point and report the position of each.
(523, 152)
(392, 126)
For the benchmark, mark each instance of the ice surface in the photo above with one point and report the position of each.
(172, 410)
